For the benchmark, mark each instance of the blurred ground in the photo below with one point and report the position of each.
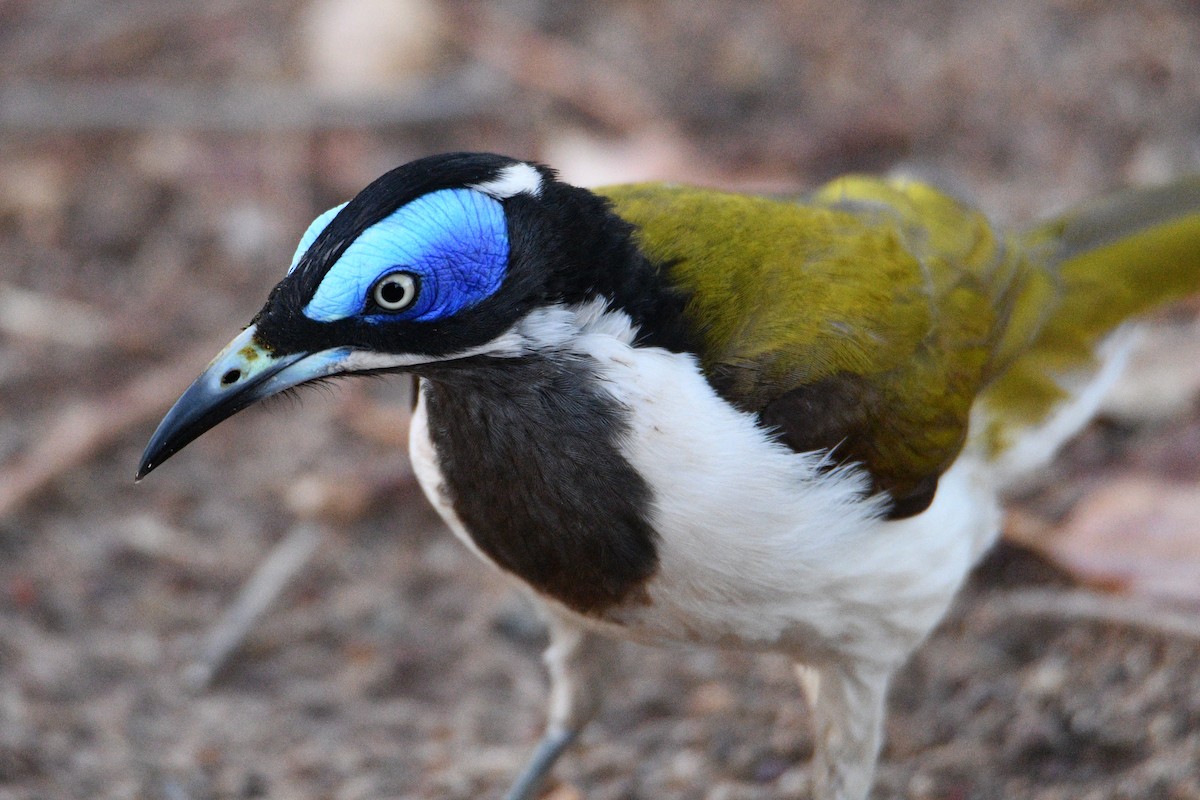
(158, 160)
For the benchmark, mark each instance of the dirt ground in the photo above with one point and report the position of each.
(158, 160)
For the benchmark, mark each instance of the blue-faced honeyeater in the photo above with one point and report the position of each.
(677, 414)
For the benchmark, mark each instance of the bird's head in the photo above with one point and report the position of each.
(443, 260)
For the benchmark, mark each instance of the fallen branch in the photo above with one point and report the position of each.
(287, 558)
(138, 106)
(1090, 607)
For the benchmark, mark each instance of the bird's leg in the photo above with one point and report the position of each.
(847, 704)
(577, 660)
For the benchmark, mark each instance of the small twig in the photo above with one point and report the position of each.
(287, 558)
(1091, 607)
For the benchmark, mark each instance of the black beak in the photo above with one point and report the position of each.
(241, 375)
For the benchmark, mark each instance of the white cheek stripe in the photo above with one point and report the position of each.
(509, 344)
(555, 327)
(514, 179)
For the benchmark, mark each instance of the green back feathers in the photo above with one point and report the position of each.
(870, 317)
(865, 319)
(731, 252)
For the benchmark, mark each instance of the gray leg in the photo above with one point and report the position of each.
(848, 706)
(576, 659)
(551, 746)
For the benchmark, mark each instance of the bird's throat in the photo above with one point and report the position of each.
(529, 460)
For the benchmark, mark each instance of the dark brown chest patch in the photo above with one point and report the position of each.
(528, 452)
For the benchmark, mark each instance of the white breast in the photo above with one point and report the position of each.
(760, 546)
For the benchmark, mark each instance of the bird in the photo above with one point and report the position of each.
(683, 415)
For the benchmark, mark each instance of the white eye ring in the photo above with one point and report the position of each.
(395, 291)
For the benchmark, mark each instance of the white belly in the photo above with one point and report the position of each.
(760, 546)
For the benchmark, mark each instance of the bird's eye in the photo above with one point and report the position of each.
(395, 291)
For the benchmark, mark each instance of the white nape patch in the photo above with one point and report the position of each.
(1034, 448)
(519, 178)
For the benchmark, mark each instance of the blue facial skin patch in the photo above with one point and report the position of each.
(314, 230)
(454, 240)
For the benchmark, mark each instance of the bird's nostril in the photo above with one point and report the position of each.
(231, 377)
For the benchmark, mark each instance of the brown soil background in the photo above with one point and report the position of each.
(158, 161)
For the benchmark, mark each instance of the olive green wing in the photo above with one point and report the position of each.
(863, 321)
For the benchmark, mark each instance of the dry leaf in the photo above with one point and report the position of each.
(1138, 534)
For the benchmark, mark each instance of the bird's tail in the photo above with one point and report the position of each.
(1101, 264)
(1120, 256)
